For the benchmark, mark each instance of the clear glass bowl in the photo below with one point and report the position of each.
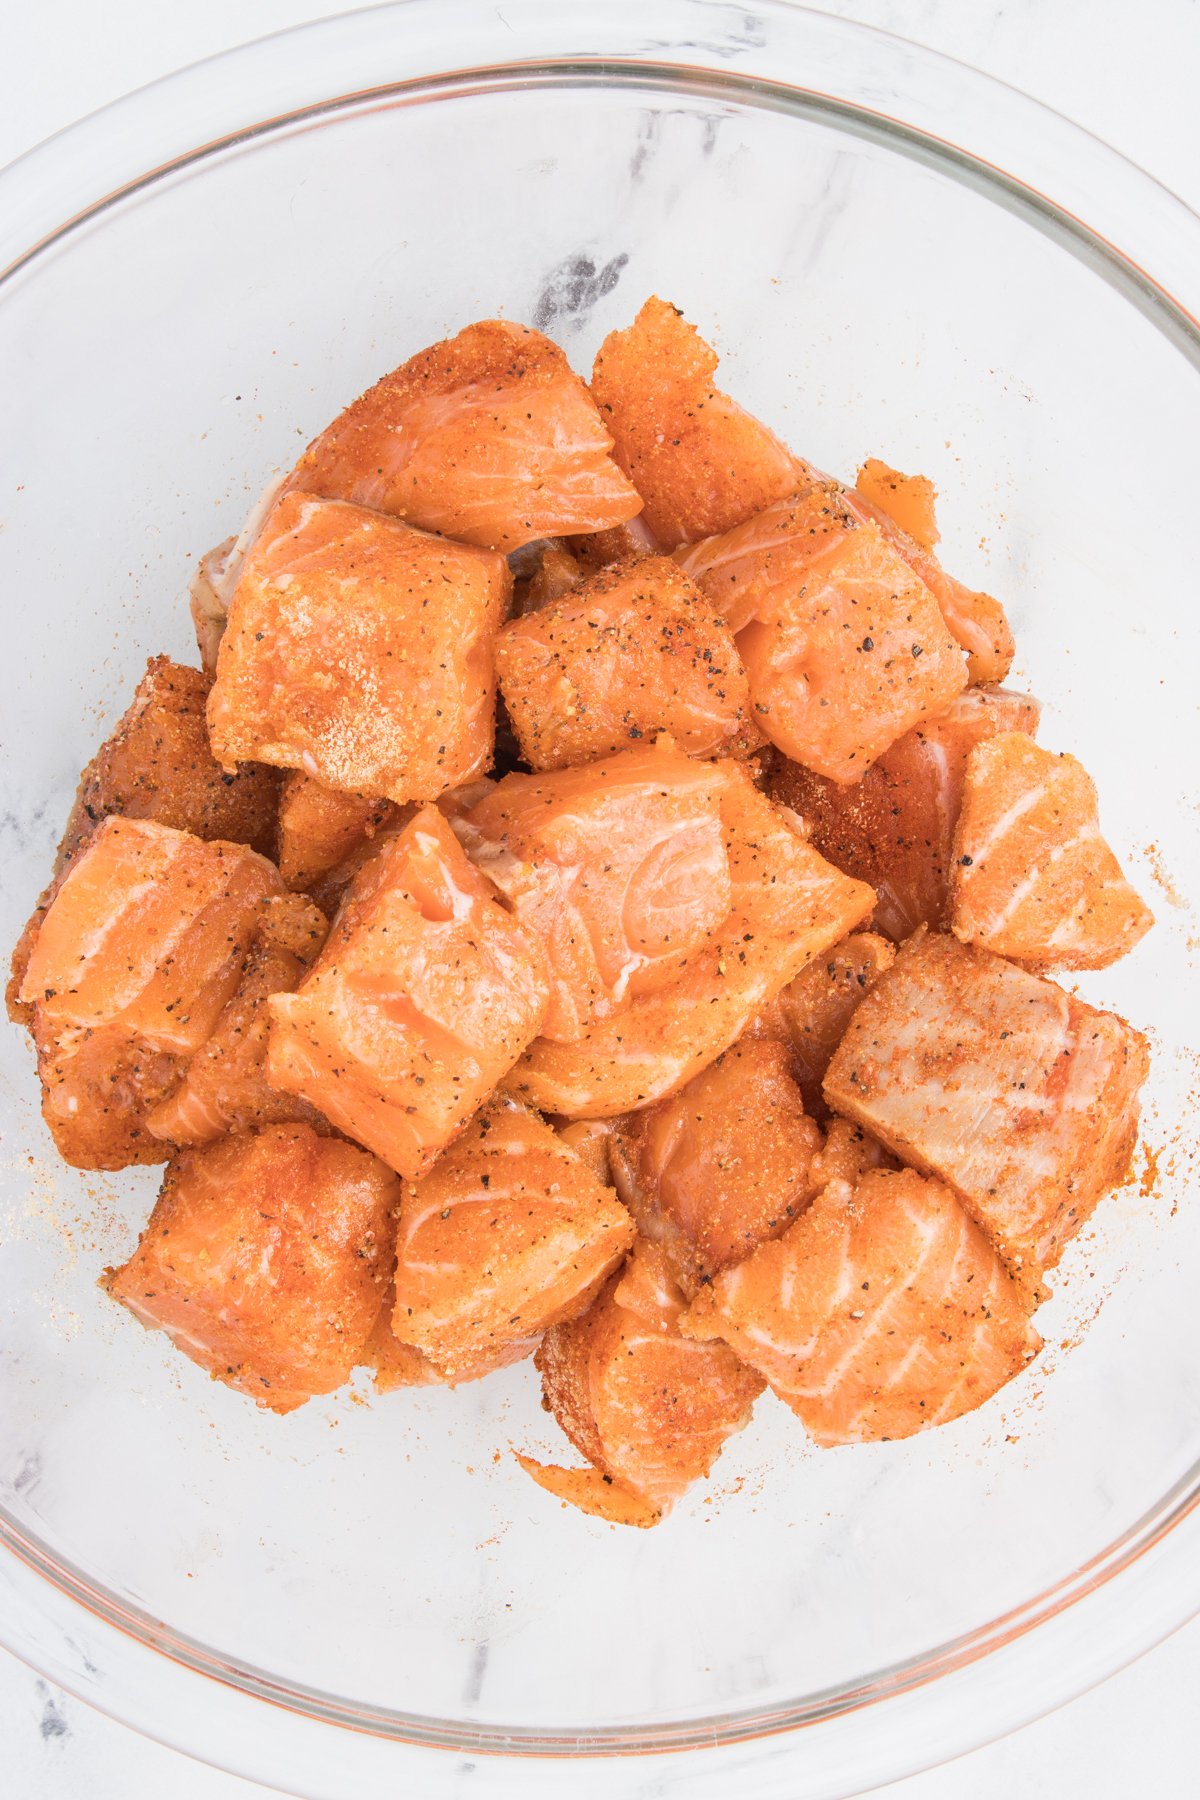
(895, 255)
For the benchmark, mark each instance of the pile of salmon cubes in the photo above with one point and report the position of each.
(595, 903)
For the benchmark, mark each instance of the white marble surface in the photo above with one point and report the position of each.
(1131, 83)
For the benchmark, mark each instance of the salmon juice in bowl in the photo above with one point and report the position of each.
(598, 906)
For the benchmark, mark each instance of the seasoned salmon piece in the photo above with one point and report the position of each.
(140, 949)
(620, 868)
(149, 931)
(908, 501)
(157, 765)
(319, 827)
(648, 1407)
(328, 890)
(100, 1085)
(589, 1139)
(360, 651)
(556, 573)
(844, 646)
(488, 437)
(265, 1261)
(592, 1492)
(753, 570)
(700, 463)
(848, 1154)
(722, 1165)
(595, 550)
(883, 1311)
(788, 905)
(226, 1088)
(634, 650)
(426, 992)
(393, 1364)
(509, 1232)
(1021, 1097)
(895, 827)
(1032, 877)
(815, 1008)
(903, 507)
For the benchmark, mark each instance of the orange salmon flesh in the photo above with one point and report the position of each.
(590, 920)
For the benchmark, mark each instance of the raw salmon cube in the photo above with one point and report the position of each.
(265, 1261)
(1021, 1097)
(903, 507)
(1032, 877)
(722, 1165)
(554, 574)
(319, 827)
(815, 1009)
(589, 1139)
(848, 1154)
(895, 827)
(620, 868)
(510, 1232)
(488, 437)
(844, 646)
(595, 550)
(700, 463)
(100, 1085)
(649, 1408)
(634, 650)
(393, 1364)
(139, 951)
(908, 501)
(226, 1088)
(149, 931)
(882, 1311)
(788, 905)
(158, 765)
(360, 651)
(424, 995)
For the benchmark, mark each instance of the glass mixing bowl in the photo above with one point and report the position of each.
(895, 256)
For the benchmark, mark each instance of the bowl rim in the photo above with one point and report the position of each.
(134, 1666)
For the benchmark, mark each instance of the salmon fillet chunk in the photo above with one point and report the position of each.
(895, 827)
(426, 992)
(721, 1166)
(1021, 1097)
(265, 1261)
(140, 950)
(1033, 878)
(844, 646)
(812, 1013)
(360, 651)
(881, 1312)
(509, 1232)
(903, 507)
(700, 462)
(649, 1408)
(488, 437)
(620, 868)
(158, 765)
(393, 1364)
(225, 1087)
(787, 905)
(634, 650)
(319, 827)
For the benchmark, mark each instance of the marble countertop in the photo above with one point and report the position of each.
(1129, 79)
